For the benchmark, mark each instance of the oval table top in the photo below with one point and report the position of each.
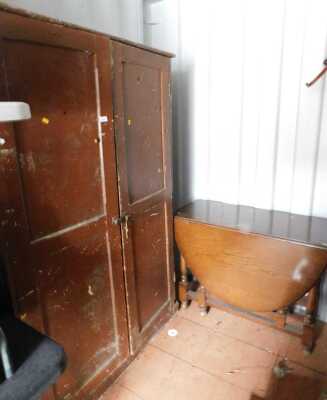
(258, 260)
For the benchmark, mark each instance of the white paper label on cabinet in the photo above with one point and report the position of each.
(103, 119)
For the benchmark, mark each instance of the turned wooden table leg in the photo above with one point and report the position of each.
(309, 334)
(280, 318)
(183, 284)
(202, 300)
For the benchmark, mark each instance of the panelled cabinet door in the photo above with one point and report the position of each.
(142, 130)
(64, 254)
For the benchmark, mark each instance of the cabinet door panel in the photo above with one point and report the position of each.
(149, 244)
(144, 151)
(62, 195)
(77, 301)
(63, 127)
(142, 128)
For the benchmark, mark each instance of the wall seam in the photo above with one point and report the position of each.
(208, 192)
(317, 147)
(299, 97)
(240, 149)
(279, 101)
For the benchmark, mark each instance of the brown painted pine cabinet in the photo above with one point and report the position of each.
(85, 194)
(142, 128)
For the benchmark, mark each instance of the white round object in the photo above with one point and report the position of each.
(172, 332)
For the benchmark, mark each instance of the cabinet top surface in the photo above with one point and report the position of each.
(246, 219)
(4, 8)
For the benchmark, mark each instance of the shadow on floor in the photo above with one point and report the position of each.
(295, 387)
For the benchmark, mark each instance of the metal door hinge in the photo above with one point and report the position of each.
(117, 220)
(120, 220)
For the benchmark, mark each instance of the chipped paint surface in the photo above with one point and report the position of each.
(76, 252)
(90, 291)
(7, 152)
(31, 166)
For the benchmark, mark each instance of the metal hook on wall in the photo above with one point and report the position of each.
(320, 75)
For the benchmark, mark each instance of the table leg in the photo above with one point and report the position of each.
(202, 300)
(308, 336)
(183, 284)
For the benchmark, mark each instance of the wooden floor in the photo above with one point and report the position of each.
(221, 356)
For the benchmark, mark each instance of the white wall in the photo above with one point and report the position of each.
(247, 130)
(122, 18)
(258, 134)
